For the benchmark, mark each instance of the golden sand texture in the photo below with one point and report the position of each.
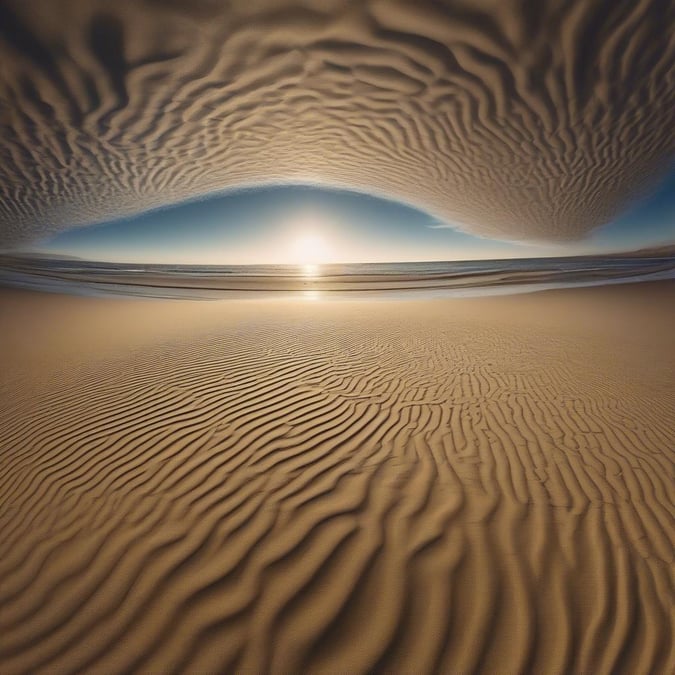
(521, 119)
(456, 486)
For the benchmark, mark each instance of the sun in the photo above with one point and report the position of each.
(309, 250)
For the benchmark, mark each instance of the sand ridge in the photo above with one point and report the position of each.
(339, 487)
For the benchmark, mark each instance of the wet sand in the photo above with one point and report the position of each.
(456, 485)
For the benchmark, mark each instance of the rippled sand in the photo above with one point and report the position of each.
(465, 485)
(518, 119)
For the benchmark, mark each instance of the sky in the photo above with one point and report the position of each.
(310, 225)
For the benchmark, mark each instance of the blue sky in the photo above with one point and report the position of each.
(303, 224)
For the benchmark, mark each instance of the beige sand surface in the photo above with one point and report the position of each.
(466, 485)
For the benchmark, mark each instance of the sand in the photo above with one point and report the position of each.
(525, 120)
(457, 486)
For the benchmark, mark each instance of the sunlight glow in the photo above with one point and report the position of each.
(309, 250)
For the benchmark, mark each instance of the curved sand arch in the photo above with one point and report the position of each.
(517, 119)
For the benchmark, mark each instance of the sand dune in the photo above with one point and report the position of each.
(515, 119)
(338, 487)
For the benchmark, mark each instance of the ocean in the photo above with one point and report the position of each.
(409, 279)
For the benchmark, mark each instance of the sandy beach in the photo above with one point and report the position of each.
(470, 485)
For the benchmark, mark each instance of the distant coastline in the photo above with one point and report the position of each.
(77, 276)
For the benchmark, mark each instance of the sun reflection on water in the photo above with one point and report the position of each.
(310, 270)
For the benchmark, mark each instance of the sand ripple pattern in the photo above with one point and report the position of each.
(349, 490)
(517, 118)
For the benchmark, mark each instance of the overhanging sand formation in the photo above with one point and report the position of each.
(523, 120)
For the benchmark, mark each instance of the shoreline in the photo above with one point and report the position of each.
(457, 281)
